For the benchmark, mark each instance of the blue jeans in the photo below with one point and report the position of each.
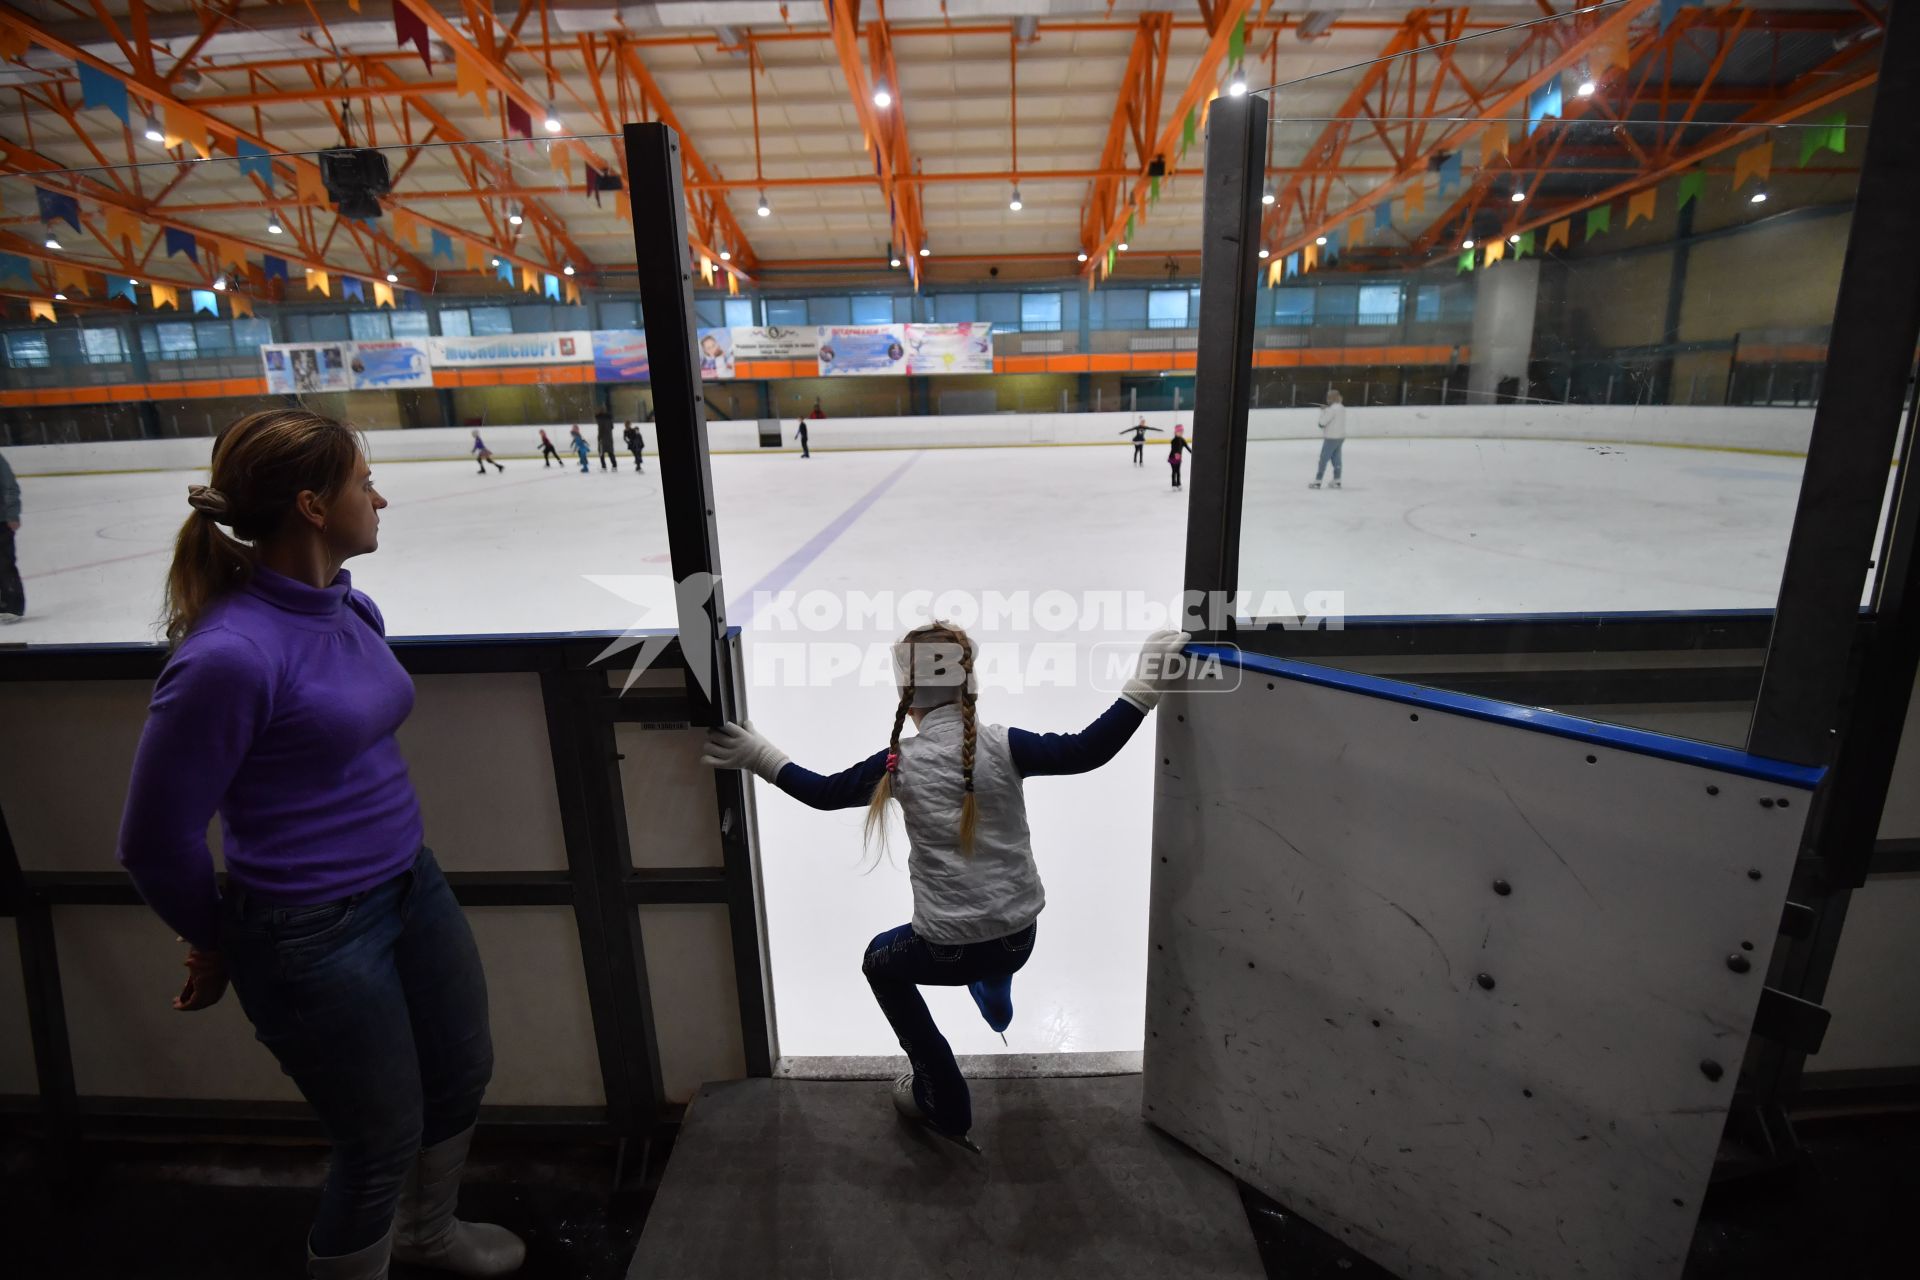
(1329, 452)
(377, 1007)
(899, 962)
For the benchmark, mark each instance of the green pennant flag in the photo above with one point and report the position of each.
(1129, 236)
(1153, 189)
(1691, 185)
(1525, 246)
(1466, 262)
(1109, 259)
(1189, 131)
(1237, 41)
(1830, 133)
(1598, 220)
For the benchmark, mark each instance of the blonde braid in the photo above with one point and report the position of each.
(883, 790)
(969, 807)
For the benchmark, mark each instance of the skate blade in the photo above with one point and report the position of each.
(959, 1140)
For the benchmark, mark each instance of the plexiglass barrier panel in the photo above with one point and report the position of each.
(476, 312)
(1543, 312)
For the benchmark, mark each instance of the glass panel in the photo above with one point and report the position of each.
(787, 311)
(739, 312)
(872, 308)
(1167, 309)
(1039, 311)
(366, 328)
(829, 311)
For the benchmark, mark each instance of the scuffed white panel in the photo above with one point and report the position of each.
(696, 1005)
(1324, 904)
(477, 751)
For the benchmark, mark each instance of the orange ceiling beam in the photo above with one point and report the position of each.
(886, 137)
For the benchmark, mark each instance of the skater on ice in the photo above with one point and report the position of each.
(1333, 434)
(548, 454)
(976, 892)
(604, 421)
(801, 436)
(578, 443)
(1177, 446)
(635, 443)
(1139, 433)
(485, 454)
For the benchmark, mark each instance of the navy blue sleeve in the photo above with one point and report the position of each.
(1036, 754)
(848, 789)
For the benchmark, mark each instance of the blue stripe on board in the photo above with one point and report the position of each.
(1354, 623)
(1535, 719)
(740, 608)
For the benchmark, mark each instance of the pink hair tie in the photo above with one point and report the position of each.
(893, 761)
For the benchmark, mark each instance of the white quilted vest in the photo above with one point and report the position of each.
(960, 899)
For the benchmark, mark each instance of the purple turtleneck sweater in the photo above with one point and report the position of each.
(278, 712)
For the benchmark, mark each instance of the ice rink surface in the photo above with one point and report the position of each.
(1422, 527)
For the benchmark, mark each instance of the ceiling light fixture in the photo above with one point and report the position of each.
(1267, 196)
(1123, 246)
(1083, 257)
(1467, 243)
(392, 278)
(552, 122)
(1758, 197)
(1514, 238)
(893, 260)
(59, 297)
(1518, 196)
(220, 283)
(1319, 239)
(53, 241)
(1237, 87)
(568, 269)
(153, 133)
(273, 225)
(1265, 254)
(1014, 204)
(925, 252)
(1586, 88)
(764, 209)
(881, 98)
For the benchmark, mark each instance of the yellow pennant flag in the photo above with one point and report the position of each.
(1641, 205)
(1558, 233)
(476, 255)
(69, 278)
(317, 282)
(382, 294)
(733, 287)
(571, 291)
(1493, 143)
(306, 181)
(1309, 257)
(1496, 250)
(122, 225)
(529, 280)
(469, 78)
(181, 125)
(1357, 231)
(620, 205)
(560, 156)
(1273, 272)
(1611, 51)
(242, 306)
(1416, 201)
(706, 268)
(406, 228)
(1755, 162)
(164, 295)
(38, 310)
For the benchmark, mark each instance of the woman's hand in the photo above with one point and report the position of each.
(1151, 671)
(206, 981)
(737, 746)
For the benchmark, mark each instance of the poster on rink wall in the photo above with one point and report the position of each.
(858, 350)
(776, 342)
(301, 368)
(619, 355)
(572, 346)
(382, 366)
(950, 348)
(716, 354)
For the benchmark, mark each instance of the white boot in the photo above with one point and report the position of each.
(369, 1263)
(425, 1231)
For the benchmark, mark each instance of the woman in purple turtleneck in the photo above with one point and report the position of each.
(277, 710)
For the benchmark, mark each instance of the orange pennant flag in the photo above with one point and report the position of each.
(1558, 233)
(1493, 143)
(164, 295)
(318, 282)
(469, 78)
(1357, 231)
(1273, 272)
(706, 268)
(560, 156)
(406, 228)
(382, 294)
(122, 225)
(529, 280)
(1755, 162)
(1309, 256)
(1641, 204)
(620, 205)
(1611, 51)
(242, 306)
(42, 311)
(181, 125)
(306, 181)
(14, 42)
(733, 287)
(1496, 250)
(69, 278)
(1416, 201)
(476, 256)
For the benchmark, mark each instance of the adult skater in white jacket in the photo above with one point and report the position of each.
(1333, 434)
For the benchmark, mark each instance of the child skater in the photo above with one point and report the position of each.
(548, 454)
(635, 443)
(976, 892)
(486, 454)
(1179, 444)
(578, 444)
(1139, 432)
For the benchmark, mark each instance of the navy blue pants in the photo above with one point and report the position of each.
(898, 963)
(377, 1007)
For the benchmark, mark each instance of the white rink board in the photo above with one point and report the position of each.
(1323, 904)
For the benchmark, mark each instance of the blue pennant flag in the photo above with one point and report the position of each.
(1450, 173)
(1543, 103)
(552, 286)
(254, 160)
(121, 287)
(179, 241)
(351, 287)
(1383, 216)
(274, 268)
(1293, 265)
(442, 245)
(98, 89)
(56, 207)
(206, 300)
(1332, 247)
(15, 267)
(504, 270)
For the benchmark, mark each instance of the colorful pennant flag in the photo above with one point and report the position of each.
(1496, 250)
(1293, 265)
(406, 228)
(1755, 162)
(1544, 103)
(1612, 50)
(1273, 272)
(38, 310)
(1332, 246)
(519, 123)
(468, 78)
(529, 280)
(122, 226)
(1691, 185)
(382, 294)
(352, 286)
(1830, 133)
(1466, 262)
(572, 288)
(1449, 173)
(1559, 234)
(181, 125)
(1357, 231)
(1383, 216)
(319, 282)
(240, 304)
(1642, 204)
(1189, 132)
(178, 241)
(98, 89)
(1237, 41)
(14, 42)
(475, 254)
(1599, 219)
(503, 270)
(442, 244)
(254, 160)
(551, 286)
(1493, 142)
(15, 267)
(275, 268)
(307, 183)
(410, 28)
(1524, 245)
(206, 300)
(121, 287)
(1416, 198)
(1309, 257)
(165, 295)
(55, 207)
(68, 278)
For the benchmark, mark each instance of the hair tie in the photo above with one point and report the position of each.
(893, 761)
(207, 500)
(969, 785)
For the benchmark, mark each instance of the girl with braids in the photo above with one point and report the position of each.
(277, 710)
(976, 893)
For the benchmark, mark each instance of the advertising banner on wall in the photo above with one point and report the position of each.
(300, 368)
(716, 354)
(950, 348)
(384, 366)
(619, 355)
(858, 350)
(572, 346)
(776, 342)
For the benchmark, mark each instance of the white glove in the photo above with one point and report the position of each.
(737, 746)
(1149, 672)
